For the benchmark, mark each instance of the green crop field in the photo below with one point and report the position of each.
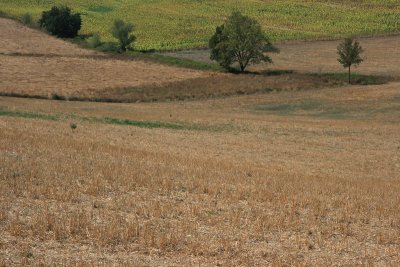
(178, 24)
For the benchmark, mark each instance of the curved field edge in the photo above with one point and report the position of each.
(202, 88)
(180, 24)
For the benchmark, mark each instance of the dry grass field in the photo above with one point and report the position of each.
(33, 63)
(306, 177)
(16, 38)
(248, 186)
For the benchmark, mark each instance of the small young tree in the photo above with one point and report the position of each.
(122, 31)
(349, 52)
(61, 22)
(240, 40)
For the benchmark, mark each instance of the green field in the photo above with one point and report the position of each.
(178, 24)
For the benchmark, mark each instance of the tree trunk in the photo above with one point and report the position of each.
(349, 75)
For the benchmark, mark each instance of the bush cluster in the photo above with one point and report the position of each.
(61, 22)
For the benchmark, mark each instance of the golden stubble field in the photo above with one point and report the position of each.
(297, 178)
(33, 63)
(265, 189)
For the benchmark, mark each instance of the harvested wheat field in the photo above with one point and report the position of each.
(35, 64)
(70, 76)
(236, 181)
(16, 38)
(303, 172)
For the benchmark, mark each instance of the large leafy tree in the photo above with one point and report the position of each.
(349, 52)
(123, 32)
(240, 40)
(60, 21)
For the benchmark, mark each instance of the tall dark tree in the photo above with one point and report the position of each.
(240, 40)
(349, 52)
(61, 22)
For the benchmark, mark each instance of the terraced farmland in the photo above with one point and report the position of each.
(181, 24)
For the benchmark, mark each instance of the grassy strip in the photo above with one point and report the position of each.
(355, 78)
(115, 121)
(147, 124)
(27, 115)
(173, 61)
(149, 55)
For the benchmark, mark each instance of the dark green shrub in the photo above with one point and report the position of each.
(73, 126)
(61, 22)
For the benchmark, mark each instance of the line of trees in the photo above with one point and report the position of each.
(240, 40)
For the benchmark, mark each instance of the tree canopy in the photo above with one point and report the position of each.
(122, 31)
(349, 52)
(61, 22)
(240, 40)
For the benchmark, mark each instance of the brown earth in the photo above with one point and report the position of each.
(255, 183)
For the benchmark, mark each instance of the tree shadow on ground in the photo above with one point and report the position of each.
(263, 72)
